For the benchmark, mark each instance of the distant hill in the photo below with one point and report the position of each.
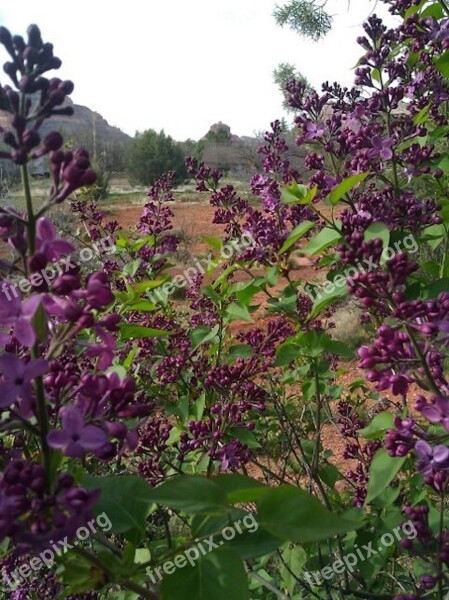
(82, 127)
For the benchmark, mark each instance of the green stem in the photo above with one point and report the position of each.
(31, 223)
(422, 358)
(445, 6)
(441, 542)
(126, 583)
(42, 413)
(445, 254)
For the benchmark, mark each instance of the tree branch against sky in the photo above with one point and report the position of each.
(309, 18)
(306, 17)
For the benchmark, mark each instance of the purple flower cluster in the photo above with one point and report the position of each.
(155, 222)
(35, 100)
(350, 422)
(30, 516)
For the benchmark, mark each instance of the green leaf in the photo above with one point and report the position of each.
(238, 312)
(434, 10)
(254, 543)
(132, 267)
(240, 351)
(198, 407)
(326, 297)
(129, 331)
(191, 494)
(146, 286)
(203, 334)
(245, 436)
(240, 488)
(219, 575)
(434, 235)
(345, 186)
(442, 64)
(116, 492)
(421, 117)
(384, 469)
(213, 242)
(247, 292)
(329, 474)
(378, 230)
(296, 193)
(325, 238)
(293, 561)
(141, 306)
(339, 348)
(292, 514)
(273, 275)
(250, 540)
(378, 426)
(435, 288)
(295, 235)
(286, 353)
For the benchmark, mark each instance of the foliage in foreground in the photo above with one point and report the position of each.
(177, 420)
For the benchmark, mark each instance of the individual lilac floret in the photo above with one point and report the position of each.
(437, 412)
(76, 438)
(17, 314)
(381, 148)
(48, 243)
(432, 458)
(18, 377)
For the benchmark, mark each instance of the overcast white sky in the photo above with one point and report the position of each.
(182, 65)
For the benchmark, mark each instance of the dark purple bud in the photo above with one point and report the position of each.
(10, 69)
(18, 122)
(73, 312)
(5, 37)
(64, 284)
(89, 177)
(26, 85)
(37, 262)
(9, 139)
(428, 582)
(19, 43)
(53, 63)
(117, 430)
(65, 480)
(111, 321)
(34, 37)
(53, 141)
(106, 452)
(67, 87)
(31, 139)
(19, 157)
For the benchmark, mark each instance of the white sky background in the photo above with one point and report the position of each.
(182, 65)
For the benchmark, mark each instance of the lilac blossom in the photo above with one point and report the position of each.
(76, 437)
(18, 315)
(18, 377)
(431, 458)
(48, 243)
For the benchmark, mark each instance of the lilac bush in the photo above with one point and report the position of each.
(177, 418)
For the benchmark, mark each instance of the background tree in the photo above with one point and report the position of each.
(306, 17)
(191, 148)
(107, 157)
(150, 154)
(284, 73)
